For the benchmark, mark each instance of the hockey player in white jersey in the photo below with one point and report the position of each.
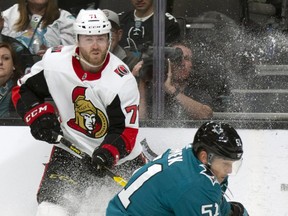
(95, 106)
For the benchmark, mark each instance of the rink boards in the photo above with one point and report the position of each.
(261, 184)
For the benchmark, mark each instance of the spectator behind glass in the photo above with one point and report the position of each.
(138, 25)
(116, 34)
(8, 76)
(182, 100)
(24, 57)
(39, 24)
(74, 6)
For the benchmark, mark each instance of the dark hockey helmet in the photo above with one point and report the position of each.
(220, 139)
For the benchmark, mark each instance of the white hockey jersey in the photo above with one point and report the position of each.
(94, 108)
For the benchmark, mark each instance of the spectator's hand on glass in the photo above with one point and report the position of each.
(168, 84)
(137, 68)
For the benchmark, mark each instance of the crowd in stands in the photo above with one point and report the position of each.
(38, 25)
(31, 27)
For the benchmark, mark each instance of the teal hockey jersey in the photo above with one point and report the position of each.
(174, 183)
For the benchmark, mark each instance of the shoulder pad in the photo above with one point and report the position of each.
(57, 49)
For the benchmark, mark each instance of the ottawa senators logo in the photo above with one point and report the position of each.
(88, 119)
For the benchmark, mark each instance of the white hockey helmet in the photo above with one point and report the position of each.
(91, 22)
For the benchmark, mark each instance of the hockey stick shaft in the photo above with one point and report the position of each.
(118, 179)
(147, 151)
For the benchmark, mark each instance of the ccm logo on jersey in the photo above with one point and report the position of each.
(37, 111)
(121, 70)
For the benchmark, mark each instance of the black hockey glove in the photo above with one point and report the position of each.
(43, 121)
(238, 209)
(102, 157)
(91, 168)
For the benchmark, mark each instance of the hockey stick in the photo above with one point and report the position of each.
(147, 151)
(118, 179)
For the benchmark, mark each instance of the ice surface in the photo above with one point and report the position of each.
(257, 185)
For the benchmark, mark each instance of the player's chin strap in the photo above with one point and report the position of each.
(79, 58)
(118, 179)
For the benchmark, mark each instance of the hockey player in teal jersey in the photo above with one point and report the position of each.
(186, 182)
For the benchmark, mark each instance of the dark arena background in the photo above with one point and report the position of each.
(240, 58)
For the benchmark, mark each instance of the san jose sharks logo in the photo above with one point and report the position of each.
(217, 129)
(207, 172)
